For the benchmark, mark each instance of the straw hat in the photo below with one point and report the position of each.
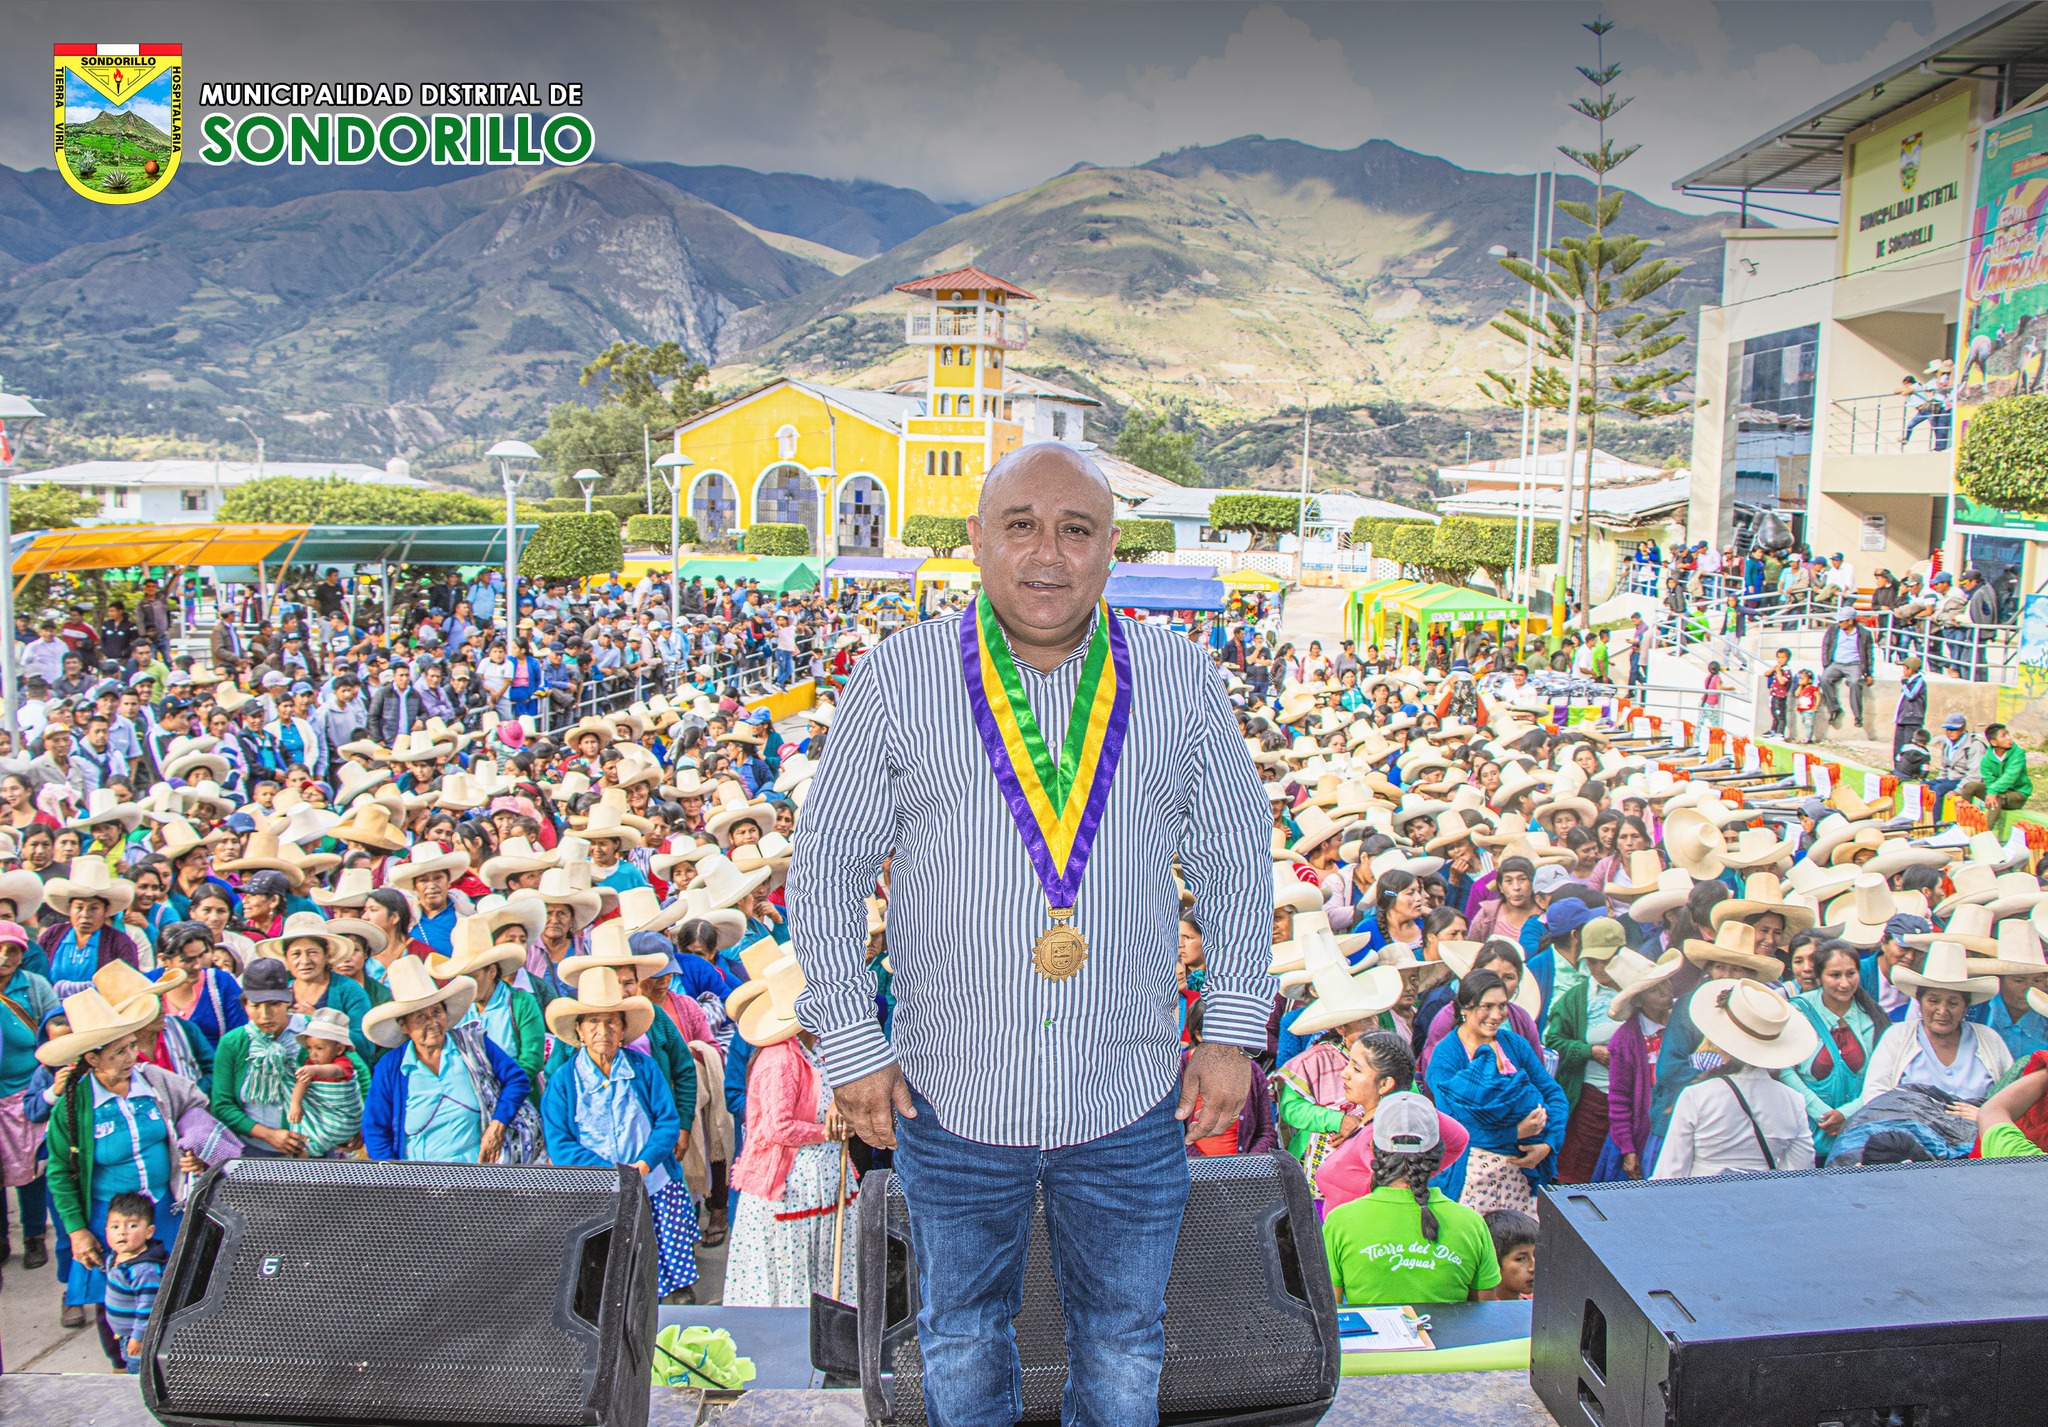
(351, 889)
(1635, 973)
(729, 924)
(1829, 833)
(2016, 894)
(1451, 829)
(417, 748)
(1750, 1022)
(261, 854)
(1316, 827)
(302, 926)
(1734, 944)
(1974, 882)
(685, 850)
(1867, 838)
(773, 852)
(424, 858)
(1970, 928)
(1863, 910)
(515, 855)
(1947, 968)
(610, 945)
(25, 890)
(461, 793)
(768, 1016)
(206, 794)
(1644, 868)
(1460, 956)
(1674, 885)
(1986, 848)
(369, 824)
(641, 911)
(724, 883)
(306, 823)
(1567, 803)
(1811, 879)
(2018, 951)
(472, 947)
(558, 888)
(1757, 847)
(354, 780)
(373, 938)
(413, 988)
(1854, 808)
(104, 805)
(89, 878)
(185, 756)
(1692, 838)
(1764, 895)
(1513, 785)
(598, 993)
(119, 982)
(95, 1022)
(1291, 892)
(1898, 854)
(1343, 996)
(721, 823)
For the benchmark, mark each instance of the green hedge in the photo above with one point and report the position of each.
(2003, 460)
(770, 538)
(1264, 514)
(1374, 529)
(572, 546)
(562, 505)
(1137, 538)
(331, 500)
(625, 507)
(653, 530)
(940, 534)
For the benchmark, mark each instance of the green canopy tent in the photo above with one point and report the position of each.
(1431, 605)
(389, 546)
(1364, 622)
(778, 574)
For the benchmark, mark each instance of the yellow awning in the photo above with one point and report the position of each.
(1249, 580)
(947, 568)
(120, 547)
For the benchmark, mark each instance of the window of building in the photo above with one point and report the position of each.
(1009, 411)
(123, 497)
(195, 500)
(945, 356)
(1774, 418)
(959, 463)
(931, 463)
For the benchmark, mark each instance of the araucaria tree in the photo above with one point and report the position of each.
(1598, 285)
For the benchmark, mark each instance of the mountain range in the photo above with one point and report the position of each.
(409, 311)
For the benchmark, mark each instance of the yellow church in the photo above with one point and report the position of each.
(852, 465)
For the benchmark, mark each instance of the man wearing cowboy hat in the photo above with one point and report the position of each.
(1068, 974)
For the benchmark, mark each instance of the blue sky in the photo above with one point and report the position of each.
(82, 102)
(977, 98)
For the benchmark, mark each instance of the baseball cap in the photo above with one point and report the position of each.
(302, 687)
(268, 883)
(1550, 877)
(1601, 938)
(275, 680)
(1955, 720)
(1405, 1123)
(267, 979)
(240, 822)
(649, 944)
(1564, 917)
(1905, 924)
(1941, 577)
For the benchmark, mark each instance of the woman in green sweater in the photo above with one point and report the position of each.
(1309, 1090)
(1578, 1029)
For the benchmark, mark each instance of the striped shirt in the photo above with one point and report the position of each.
(1004, 1055)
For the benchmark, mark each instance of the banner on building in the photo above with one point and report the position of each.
(1904, 194)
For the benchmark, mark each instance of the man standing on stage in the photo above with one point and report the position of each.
(1034, 767)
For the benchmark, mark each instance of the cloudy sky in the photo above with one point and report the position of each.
(973, 99)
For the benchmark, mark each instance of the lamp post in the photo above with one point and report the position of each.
(259, 443)
(672, 465)
(587, 480)
(12, 408)
(508, 456)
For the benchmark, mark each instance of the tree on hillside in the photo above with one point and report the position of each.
(1147, 442)
(611, 436)
(1610, 345)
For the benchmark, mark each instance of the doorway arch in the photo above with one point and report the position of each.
(715, 505)
(787, 494)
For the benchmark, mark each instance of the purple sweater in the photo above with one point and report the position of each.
(1256, 1133)
(1630, 1081)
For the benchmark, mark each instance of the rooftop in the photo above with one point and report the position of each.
(1614, 506)
(968, 279)
(1332, 507)
(1804, 155)
(1549, 467)
(212, 473)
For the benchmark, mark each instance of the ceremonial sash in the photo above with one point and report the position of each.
(1056, 805)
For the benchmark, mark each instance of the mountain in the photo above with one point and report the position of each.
(397, 320)
(855, 216)
(1222, 276)
(125, 126)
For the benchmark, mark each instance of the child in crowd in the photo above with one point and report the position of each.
(1912, 760)
(1514, 1246)
(1805, 699)
(327, 1099)
(133, 1278)
(1778, 684)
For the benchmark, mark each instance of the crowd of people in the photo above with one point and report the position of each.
(1505, 955)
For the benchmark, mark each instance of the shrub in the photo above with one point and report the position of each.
(1262, 515)
(573, 546)
(2003, 460)
(294, 500)
(653, 530)
(1138, 538)
(770, 538)
(562, 505)
(116, 181)
(940, 534)
(622, 506)
(1375, 530)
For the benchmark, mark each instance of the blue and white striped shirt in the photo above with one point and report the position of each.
(1004, 1055)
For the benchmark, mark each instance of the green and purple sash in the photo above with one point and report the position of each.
(1057, 806)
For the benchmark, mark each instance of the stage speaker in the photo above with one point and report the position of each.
(329, 1291)
(1251, 1323)
(1904, 1295)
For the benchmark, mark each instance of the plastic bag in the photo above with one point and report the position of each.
(699, 1357)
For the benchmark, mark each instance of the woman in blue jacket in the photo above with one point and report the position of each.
(443, 1096)
(612, 1106)
(1493, 1082)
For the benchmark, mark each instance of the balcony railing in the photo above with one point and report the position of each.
(982, 325)
(1888, 426)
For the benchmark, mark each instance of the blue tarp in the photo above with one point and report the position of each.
(1131, 592)
(1145, 570)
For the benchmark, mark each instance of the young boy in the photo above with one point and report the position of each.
(1778, 684)
(1913, 758)
(327, 1098)
(1805, 699)
(133, 1278)
(1514, 1245)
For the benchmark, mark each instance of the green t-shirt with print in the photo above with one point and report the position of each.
(1378, 1255)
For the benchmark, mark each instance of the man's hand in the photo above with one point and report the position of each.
(872, 1103)
(1219, 1076)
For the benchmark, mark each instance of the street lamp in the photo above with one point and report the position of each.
(672, 465)
(587, 479)
(12, 408)
(259, 443)
(509, 456)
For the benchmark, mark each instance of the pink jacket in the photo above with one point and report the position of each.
(782, 1113)
(1346, 1172)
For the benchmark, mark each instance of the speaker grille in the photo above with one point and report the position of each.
(386, 1303)
(1238, 1336)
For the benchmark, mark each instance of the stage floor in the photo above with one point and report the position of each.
(1495, 1399)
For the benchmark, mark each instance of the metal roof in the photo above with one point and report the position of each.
(968, 279)
(401, 544)
(2009, 44)
(171, 472)
(120, 547)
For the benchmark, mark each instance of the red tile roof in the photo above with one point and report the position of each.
(964, 280)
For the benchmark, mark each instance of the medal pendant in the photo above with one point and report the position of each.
(1060, 949)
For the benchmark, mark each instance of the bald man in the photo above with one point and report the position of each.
(1034, 1044)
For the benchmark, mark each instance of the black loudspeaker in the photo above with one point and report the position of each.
(1251, 1322)
(1904, 1295)
(325, 1291)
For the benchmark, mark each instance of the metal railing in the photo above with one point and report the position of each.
(984, 325)
(1889, 425)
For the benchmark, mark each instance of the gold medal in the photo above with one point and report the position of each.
(1060, 949)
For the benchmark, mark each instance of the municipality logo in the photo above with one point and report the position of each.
(120, 119)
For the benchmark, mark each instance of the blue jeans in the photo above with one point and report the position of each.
(785, 668)
(1112, 1210)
